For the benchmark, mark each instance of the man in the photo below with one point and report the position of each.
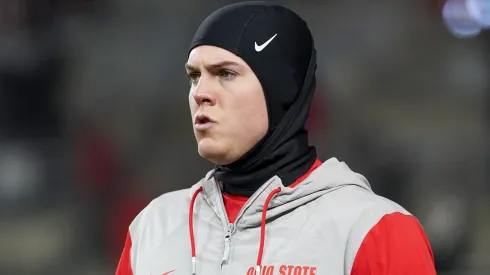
(270, 206)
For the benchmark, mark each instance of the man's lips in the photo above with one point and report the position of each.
(203, 122)
(203, 119)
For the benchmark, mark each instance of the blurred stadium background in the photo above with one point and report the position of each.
(94, 121)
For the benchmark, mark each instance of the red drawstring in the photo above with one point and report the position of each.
(262, 228)
(191, 228)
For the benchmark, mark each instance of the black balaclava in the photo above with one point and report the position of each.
(286, 70)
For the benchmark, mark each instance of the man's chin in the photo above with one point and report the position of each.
(214, 158)
(214, 155)
(210, 151)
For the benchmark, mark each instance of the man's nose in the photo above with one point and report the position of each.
(203, 95)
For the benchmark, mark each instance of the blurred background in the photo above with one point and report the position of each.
(94, 119)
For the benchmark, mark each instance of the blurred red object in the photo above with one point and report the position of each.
(318, 112)
(121, 213)
(96, 163)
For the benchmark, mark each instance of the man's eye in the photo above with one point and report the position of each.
(193, 77)
(227, 74)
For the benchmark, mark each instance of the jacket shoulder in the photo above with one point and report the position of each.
(167, 205)
(365, 209)
(166, 208)
(357, 202)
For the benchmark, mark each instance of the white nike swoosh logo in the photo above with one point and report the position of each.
(261, 47)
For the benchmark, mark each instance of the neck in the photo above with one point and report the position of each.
(289, 162)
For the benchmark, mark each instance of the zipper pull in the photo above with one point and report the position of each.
(226, 254)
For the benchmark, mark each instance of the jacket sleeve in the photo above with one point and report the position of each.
(124, 266)
(396, 245)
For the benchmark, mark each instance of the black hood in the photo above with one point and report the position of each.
(286, 69)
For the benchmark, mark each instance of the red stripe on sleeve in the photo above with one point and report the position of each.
(124, 267)
(396, 245)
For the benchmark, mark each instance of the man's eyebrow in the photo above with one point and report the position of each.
(189, 67)
(212, 66)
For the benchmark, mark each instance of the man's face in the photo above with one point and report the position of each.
(228, 107)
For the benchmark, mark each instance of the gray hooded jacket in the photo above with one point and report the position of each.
(316, 227)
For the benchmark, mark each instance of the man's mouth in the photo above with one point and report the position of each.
(203, 122)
